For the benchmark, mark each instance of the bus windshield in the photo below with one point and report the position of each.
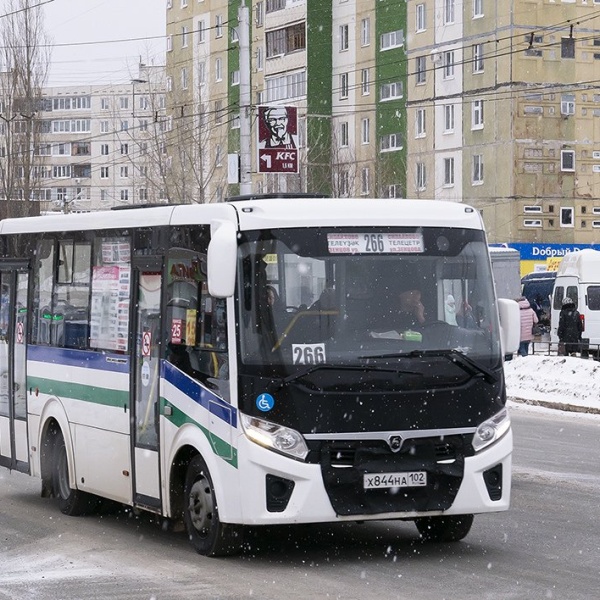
(340, 297)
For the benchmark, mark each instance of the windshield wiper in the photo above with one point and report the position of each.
(456, 356)
(277, 384)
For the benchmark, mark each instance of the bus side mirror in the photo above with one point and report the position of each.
(510, 325)
(221, 259)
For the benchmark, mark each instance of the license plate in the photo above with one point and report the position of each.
(375, 481)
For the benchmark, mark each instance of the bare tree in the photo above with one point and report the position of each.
(24, 56)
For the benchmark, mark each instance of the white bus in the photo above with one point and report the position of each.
(144, 361)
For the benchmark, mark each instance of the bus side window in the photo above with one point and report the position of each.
(43, 273)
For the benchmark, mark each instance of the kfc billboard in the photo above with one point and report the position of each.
(277, 139)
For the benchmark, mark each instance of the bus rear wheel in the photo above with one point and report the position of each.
(444, 529)
(70, 502)
(207, 534)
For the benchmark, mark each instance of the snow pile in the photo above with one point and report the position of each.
(562, 382)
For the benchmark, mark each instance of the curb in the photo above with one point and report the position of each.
(589, 410)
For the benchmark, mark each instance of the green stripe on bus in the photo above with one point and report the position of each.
(79, 391)
(220, 447)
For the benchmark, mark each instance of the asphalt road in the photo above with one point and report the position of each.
(547, 546)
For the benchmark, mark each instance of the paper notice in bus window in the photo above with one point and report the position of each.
(374, 243)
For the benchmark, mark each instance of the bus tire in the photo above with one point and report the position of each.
(70, 502)
(445, 528)
(207, 534)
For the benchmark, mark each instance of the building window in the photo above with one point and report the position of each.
(282, 87)
(184, 37)
(421, 176)
(273, 5)
(218, 69)
(477, 58)
(392, 39)
(169, 43)
(365, 32)
(124, 125)
(344, 86)
(259, 17)
(365, 183)
(365, 131)
(567, 216)
(420, 70)
(235, 78)
(448, 172)
(201, 27)
(478, 169)
(448, 118)
(344, 134)
(288, 39)
(124, 149)
(365, 83)
(124, 172)
(344, 183)
(104, 149)
(391, 142)
(477, 114)
(567, 160)
(532, 222)
(420, 123)
(104, 172)
(184, 78)
(390, 91)
(104, 104)
(125, 195)
(448, 12)
(532, 209)
(218, 26)
(143, 195)
(421, 23)
(61, 171)
(567, 104)
(477, 8)
(344, 37)
(448, 72)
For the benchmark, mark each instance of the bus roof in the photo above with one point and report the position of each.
(262, 213)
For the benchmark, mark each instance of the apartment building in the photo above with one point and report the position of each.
(94, 146)
(340, 64)
(503, 113)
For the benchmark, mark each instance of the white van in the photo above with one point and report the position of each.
(578, 278)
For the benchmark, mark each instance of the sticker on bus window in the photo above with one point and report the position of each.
(308, 354)
(375, 243)
(265, 402)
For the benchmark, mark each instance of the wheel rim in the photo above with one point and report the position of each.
(200, 506)
(62, 472)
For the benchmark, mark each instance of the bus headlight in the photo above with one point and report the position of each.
(491, 430)
(274, 437)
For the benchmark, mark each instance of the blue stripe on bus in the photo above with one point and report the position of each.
(199, 394)
(115, 363)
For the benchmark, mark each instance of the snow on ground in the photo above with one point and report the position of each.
(562, 382)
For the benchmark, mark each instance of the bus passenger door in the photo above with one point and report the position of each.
(14, 447)
(145, 401)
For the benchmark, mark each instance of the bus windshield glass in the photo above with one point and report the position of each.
(340, 297)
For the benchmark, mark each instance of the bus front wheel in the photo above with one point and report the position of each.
(444, 529)
(70, 502)
(207, 534)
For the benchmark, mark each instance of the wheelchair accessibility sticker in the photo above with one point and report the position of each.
(265, 402)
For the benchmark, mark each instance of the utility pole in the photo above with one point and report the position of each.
(245, 101)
